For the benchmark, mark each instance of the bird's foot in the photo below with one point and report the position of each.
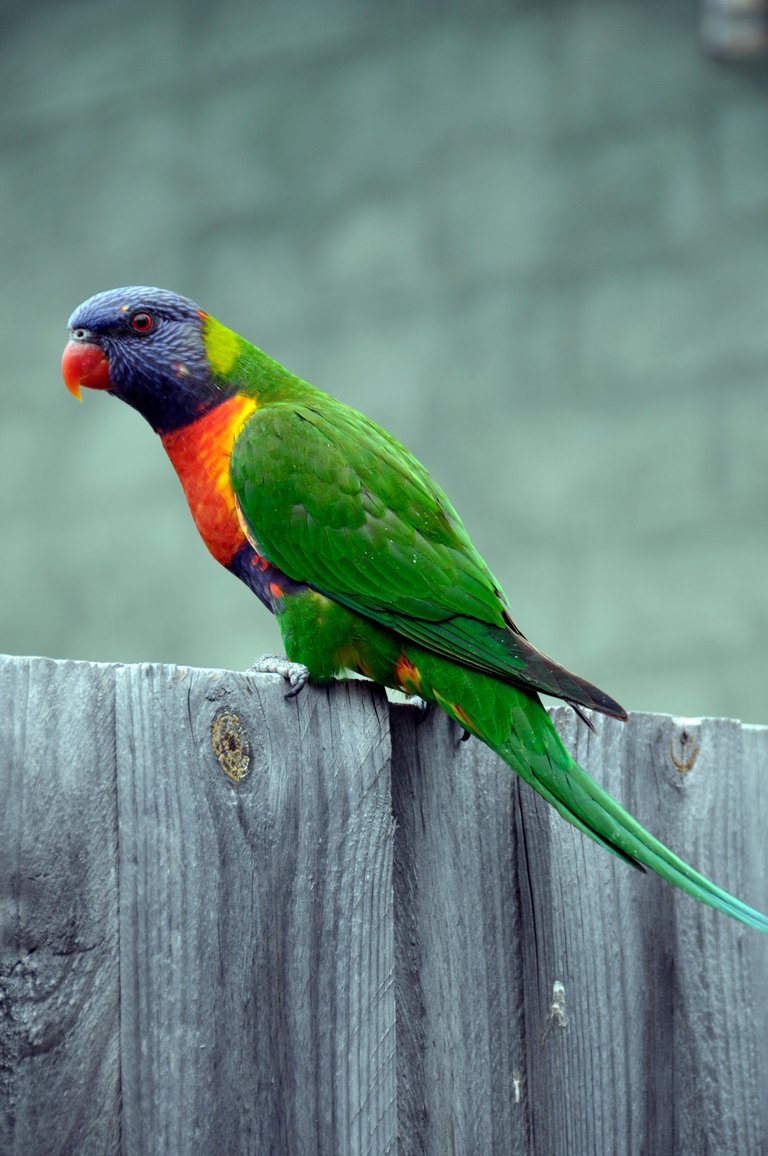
(295, 673)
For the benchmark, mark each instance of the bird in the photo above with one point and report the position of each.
(346, 538)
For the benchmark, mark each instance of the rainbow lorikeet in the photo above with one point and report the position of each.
(345, 537)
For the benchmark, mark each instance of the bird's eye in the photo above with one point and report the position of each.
(142, 322)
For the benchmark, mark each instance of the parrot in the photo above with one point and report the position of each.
(348, 541)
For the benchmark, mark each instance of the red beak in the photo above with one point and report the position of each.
(84, 363)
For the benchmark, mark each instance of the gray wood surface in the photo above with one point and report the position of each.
(553, 1001)
(59, 990)
(458, 927)
(255, 988)
(231, 923)
(256, 964)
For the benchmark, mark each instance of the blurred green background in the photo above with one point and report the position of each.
(530, 239)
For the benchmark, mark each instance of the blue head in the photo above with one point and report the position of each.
(146, 347)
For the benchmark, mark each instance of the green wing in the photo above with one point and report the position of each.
(333, 500)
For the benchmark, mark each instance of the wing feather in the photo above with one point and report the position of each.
(333, 500)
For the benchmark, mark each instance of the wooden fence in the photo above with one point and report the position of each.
(237, 924)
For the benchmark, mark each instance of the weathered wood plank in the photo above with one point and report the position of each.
(257, 952)
(627, 1017)
(667, 1001)
(457, 925)
(59, 997)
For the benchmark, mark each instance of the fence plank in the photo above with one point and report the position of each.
(457, 923)
(626, 1017)
(666, 1000)
(257, 962)
(59, 997)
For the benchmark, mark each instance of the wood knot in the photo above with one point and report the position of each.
(231, 744)
(683, 750)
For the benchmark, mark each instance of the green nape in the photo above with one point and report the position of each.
(233, 360)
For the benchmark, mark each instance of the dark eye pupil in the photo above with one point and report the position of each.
(142, 322)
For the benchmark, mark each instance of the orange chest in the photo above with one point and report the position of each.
(200, 454)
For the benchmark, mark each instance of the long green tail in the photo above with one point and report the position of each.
(515, 725)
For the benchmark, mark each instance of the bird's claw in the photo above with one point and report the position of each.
(294, 673)
(298, 677)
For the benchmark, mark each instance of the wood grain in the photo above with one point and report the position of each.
(231, 922)
(458, 928)
(551, 1000)
(59, 994)
(257, 959)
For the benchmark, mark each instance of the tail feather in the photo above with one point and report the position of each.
(550, 770)
(513, 723)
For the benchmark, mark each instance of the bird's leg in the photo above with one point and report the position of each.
(294, 673)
